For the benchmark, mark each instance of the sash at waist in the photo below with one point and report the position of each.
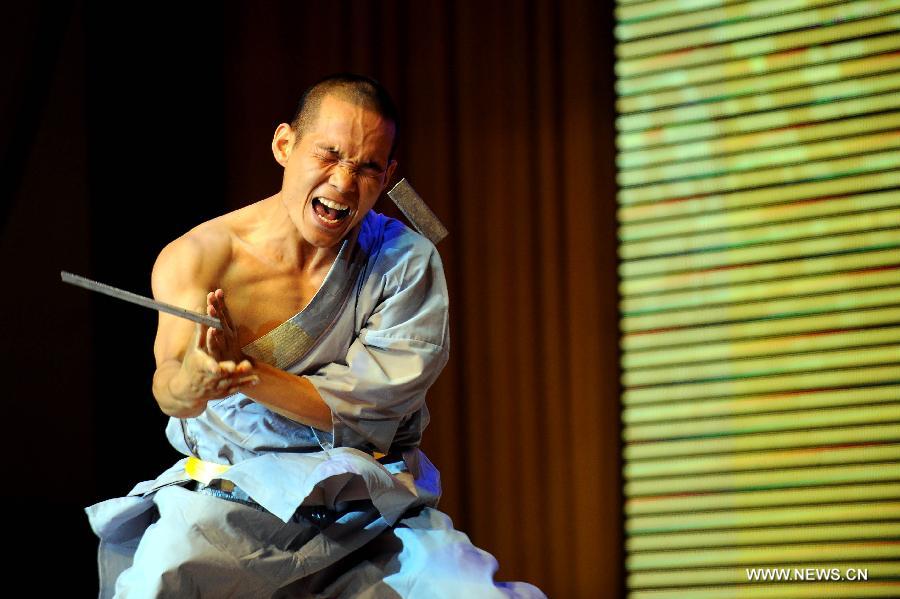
(283, 482)
(204, 472)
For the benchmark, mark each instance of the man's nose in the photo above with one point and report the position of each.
(343, 178)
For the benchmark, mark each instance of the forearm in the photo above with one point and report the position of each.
(170, 394)
(291, 396)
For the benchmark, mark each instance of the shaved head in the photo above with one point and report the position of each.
(356, 89)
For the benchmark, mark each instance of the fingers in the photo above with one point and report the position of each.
(232, 383)
(216, 307)
(222, 343)
(211, 344)
(243, 383)
(217, 345)
(244, 367)
(227, 369)
(226, 313)
(211, 304)
(246, 381)
(222, 380)
(211, 311)
(227, 366)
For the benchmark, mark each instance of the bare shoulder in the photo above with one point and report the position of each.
(199, 260)
(196, 260)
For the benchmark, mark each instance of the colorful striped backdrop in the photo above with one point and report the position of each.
(759, 224)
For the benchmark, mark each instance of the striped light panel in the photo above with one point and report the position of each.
(759, 214)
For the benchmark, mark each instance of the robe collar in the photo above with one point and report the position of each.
(288, 343)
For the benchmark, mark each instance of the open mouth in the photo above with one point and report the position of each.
(329, 212)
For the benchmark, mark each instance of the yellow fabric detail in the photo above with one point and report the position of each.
(203, 472)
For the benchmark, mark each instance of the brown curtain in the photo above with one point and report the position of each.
(507, 133)
(125, 125)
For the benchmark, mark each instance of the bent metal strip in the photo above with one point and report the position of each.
(140, 300)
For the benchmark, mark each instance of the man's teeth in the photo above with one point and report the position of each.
(333, 205)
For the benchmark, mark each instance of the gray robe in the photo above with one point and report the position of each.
(372, 341)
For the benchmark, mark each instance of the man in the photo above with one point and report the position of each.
(302, 416)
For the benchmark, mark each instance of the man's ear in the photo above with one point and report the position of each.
(283, 143)
(389, 173)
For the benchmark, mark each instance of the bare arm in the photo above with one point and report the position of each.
(187, 375)
(291, 396)
(287, 394)
(194, 364)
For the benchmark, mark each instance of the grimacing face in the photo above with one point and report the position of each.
(336, 171)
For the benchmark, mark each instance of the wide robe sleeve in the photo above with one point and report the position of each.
(398, 353)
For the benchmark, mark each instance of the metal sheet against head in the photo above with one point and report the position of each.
(417, 211)
(140, 300)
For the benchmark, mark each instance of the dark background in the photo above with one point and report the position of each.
(121, 127)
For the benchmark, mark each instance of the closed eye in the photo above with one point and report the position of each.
(372, 170)
(329, 156)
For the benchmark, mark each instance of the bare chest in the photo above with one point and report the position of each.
(260, 297)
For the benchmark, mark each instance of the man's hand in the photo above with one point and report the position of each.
(203, 378)
(222, 344)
